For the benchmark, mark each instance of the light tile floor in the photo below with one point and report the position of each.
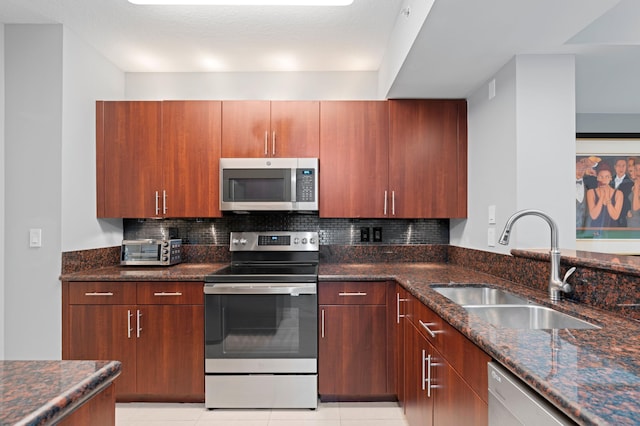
(327, 414)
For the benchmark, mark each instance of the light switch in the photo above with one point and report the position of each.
(35, 237)
(491, 237)
(492, 214)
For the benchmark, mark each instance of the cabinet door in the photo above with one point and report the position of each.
(398, 320)
(354, 154)
(170, 353)
(455, 402)
(105, 332)
(245, 129)
(191, 134)
(295, 129)
(128, 158)
(428, 158)
(418, 404)
(352, 351)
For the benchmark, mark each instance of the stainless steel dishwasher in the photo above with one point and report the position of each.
(512, 402)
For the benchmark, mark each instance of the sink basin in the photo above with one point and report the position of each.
(527, 316)
(480, 295)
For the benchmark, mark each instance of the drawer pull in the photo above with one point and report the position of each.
(164, 293)
(97, 293)
(346, 293)
(399, 315)
(426, 327)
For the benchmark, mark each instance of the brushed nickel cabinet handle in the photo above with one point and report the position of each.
(266, 143)
(398, 300)
(129, 329)
(393, 203)
(164, 293)
(164, 202)
(273, 143)
(99, 293)
(322, 324)
(426, 327)
(157, 203)
(428, 376)
(139, 323)
(385, 203)
(346, 293)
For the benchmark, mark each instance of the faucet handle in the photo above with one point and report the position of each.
(566, 287)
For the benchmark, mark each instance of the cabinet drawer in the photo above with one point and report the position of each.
(430, 325)
(352, 293)
(170, 293)
(102, 293)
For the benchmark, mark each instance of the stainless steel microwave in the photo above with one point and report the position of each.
(151, 252)
(269, 184)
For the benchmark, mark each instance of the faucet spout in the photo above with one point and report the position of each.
(557, 286)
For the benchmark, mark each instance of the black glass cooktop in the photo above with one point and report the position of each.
(265, 273)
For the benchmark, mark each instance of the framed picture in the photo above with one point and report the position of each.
(607, 195)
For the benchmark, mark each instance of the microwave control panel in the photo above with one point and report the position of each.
(305, 185)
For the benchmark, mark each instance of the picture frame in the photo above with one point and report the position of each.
(608, 148)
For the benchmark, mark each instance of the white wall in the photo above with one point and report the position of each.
(33, 138)
(256, 86)
(522, 154)
(2, 183)
(52, 81)
(607, 123)
(87, 76)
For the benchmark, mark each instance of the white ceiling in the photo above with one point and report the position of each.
(460, 46)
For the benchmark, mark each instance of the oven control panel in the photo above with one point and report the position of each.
(275, 241)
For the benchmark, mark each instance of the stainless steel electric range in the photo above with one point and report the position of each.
(261, 323)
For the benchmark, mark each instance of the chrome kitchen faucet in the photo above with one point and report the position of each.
(556, 285)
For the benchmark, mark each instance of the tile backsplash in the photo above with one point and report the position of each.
(331, 231)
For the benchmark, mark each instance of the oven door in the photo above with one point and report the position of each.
(261, 328)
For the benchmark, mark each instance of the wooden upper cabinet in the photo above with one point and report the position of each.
(354, 151)
(128, 158)
(158, 159)
(191, 133)
(428, 158)
(255, 129)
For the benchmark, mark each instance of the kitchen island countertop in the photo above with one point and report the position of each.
(44, 392)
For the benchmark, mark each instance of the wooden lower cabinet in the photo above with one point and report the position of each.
(352, 349)
(155, 329)
(444, 376)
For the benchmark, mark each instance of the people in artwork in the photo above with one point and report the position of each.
(604, 202)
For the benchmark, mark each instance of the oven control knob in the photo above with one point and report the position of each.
(243, 241)
(312, 241)
(304, 241)
(296, 241)
(165, 259)
(165, 251)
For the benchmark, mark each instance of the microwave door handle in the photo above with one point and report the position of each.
(294, 183)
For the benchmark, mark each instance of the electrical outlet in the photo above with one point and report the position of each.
(377, 234)
(364, 235)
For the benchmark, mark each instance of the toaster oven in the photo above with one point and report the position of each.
(151, 252)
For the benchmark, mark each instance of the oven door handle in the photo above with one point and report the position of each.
(293, 289)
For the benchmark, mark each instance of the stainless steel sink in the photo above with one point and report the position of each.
(527, 317)
(480, 295)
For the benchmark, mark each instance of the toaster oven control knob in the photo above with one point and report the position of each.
(165, 259)
(165, 244)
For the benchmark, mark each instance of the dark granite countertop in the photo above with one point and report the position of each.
(43, 392)
(592, 375)
(179, 272)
